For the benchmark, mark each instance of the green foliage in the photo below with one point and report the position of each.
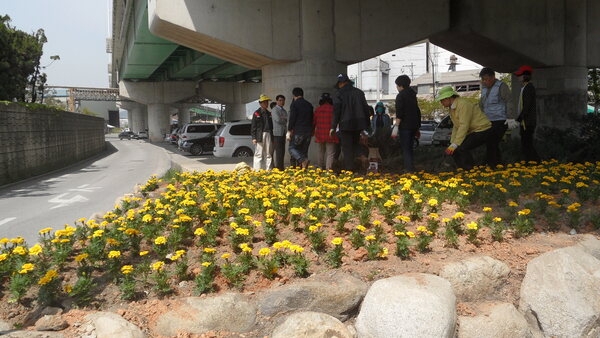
(594, 85)
(20, 55)
(576, 144)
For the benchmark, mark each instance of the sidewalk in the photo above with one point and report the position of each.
(184, 161)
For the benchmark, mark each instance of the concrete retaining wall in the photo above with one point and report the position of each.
(36, 142)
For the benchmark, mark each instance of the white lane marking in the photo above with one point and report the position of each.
(85, 188)
(62, 202)
(6, 220)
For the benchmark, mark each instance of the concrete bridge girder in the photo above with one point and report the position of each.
(234, 95)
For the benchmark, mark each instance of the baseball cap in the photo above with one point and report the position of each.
(524, 69)
(342, 78)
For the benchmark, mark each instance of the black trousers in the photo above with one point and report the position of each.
(493, 154)
(350, 145)
(279, 151)
(529, 152)
(462, 155)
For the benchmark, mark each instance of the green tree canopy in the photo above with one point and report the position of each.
(20, 55)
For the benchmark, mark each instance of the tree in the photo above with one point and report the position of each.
(20, 55)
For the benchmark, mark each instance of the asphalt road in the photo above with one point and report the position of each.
(83, 190)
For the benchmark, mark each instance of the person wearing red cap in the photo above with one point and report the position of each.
(527, 113)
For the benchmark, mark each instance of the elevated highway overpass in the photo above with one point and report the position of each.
(167, 53)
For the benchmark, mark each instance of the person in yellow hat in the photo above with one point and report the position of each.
(471, 127)
(261, 130)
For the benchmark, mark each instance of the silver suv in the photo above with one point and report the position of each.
(234, 140)
(442, 132)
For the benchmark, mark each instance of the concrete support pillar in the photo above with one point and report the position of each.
(183, 116)
(158, 121)
(139, 118)
(561, 95)
(235, 111)
(157, 96)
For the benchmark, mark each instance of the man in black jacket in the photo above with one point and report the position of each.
(300, 127)
(261, 130)
(527, 113)
(351, 118)
(408, 119)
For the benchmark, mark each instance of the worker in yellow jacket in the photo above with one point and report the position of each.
(471, 127)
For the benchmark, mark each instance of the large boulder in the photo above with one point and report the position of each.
(336, 294)
(476, 278)
(111, 325)
(499, 320)
(311, 325)
(228, 312)
(561, 293)
(410, 305)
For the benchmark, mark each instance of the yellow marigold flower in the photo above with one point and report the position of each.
(126, 269)
(389, 203)
(283, 202)
(433, 215)
(200, 232)
(245, 247)
(459, 215)
(270, 221)
(524, 212)
(206, 264)
(35, 250)
(270, 213)
(574, 207)
(296, 248)
(157, 266)
(242, 232)
(512, 204)
(383, 253)
(81, 257)
(184, 218)
(160, 240)
(147, 218)
(19, 250)
(422, 228)
(210, 250)
(497, 219)
(45, 231)
(565, 191)
(410, 234)
(472, 226)
(98, 233)
(3, 241)
(487, 209)
(226, 255)
(361, 228)
(27, 267)
(114, 254)
(264, 252)
(313, 228)
(132, 232)
(48, 277)
(400, 233)
(143, 253)
(17, 240)
(432, 202)
(3, 257)
(370, 238)
(233, 225)
(337, 241)
(297, 211)
(403, 218)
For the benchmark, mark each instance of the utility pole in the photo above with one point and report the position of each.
(412, 70)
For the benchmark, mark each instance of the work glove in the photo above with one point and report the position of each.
(394, 131)
(288, 136)
(451, 148)
(512, 124)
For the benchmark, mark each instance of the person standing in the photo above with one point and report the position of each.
(300, 127)
(527, 113)
(471, 128)
(322, 123)
(381, 129)
(496, 104)
(280, 120)
(261, 130)
(351, 117)
(408, 120)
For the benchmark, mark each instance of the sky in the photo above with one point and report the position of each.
(76, 31)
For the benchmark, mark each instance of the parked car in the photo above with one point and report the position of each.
(191, 131)
(201, 145)
(234, 140)
(442, 132)
(126, 135)
(426, 131)
(141, 135)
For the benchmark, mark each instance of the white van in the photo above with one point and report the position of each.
(192, 131)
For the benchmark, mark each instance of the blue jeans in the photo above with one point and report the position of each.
(299, 147)
(407, 141)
